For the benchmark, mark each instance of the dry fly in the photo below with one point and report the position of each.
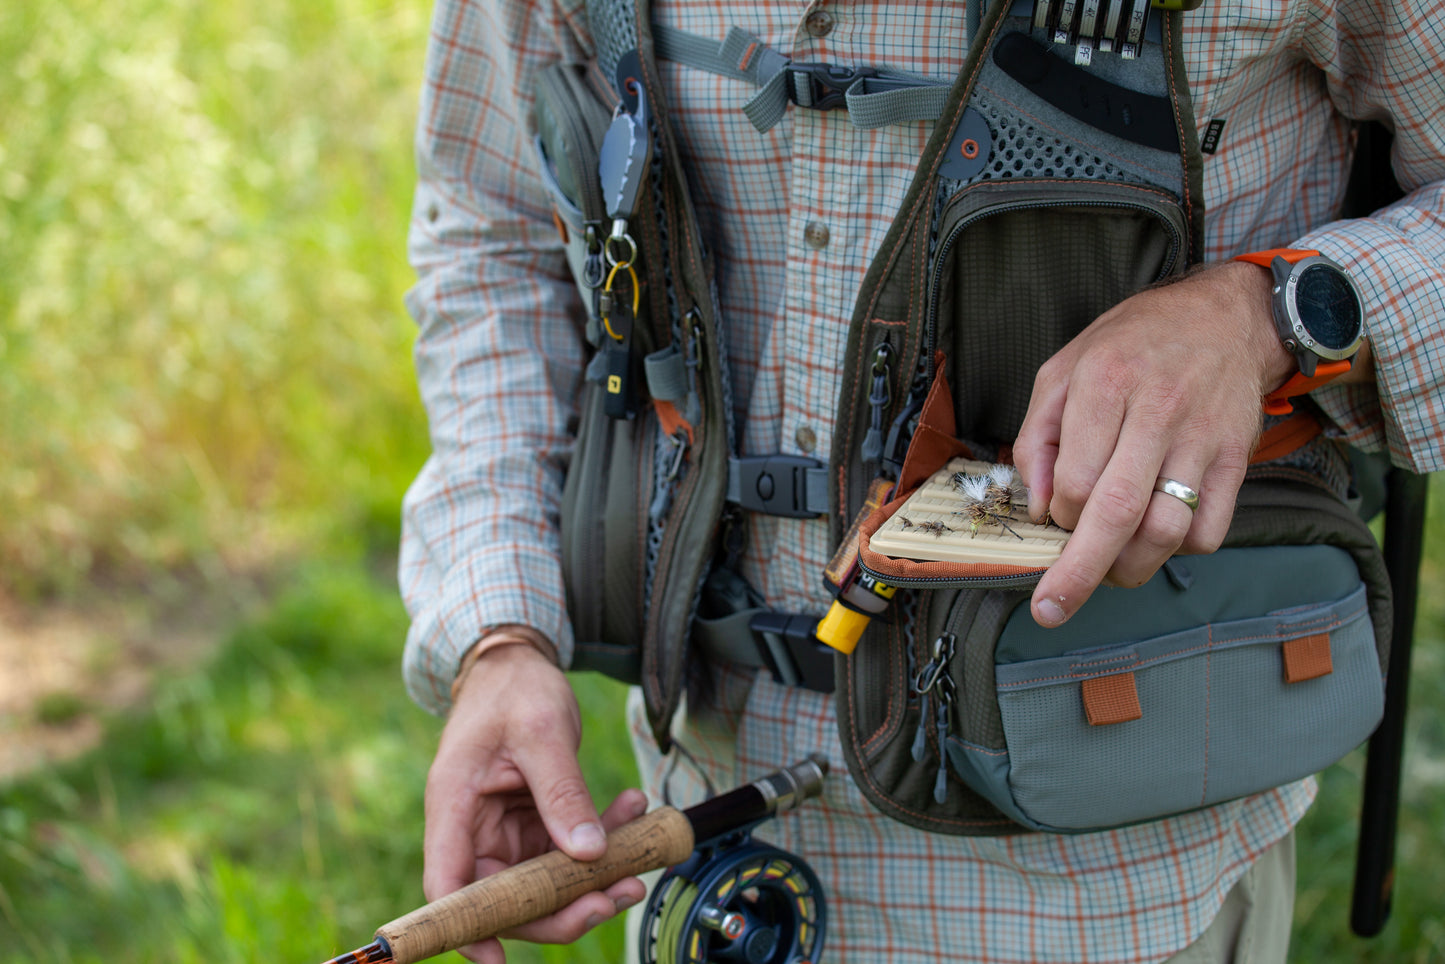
(987, 500)
(1003, 488)
(937, 528)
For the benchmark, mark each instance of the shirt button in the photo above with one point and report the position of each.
(432, 212)
(806, 438)
(816, 234)
(819, 23)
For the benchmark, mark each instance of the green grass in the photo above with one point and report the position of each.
(266, 808)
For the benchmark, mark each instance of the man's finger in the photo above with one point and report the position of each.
(562, 798)
(1036, 449)
(484, 952)
(447, 845)
(1161, 532)
(629, 805)
(586, 912)
(1091, 432)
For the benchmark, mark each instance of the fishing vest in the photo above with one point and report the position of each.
(1063, 174)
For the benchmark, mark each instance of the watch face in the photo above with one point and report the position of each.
(1328, 307)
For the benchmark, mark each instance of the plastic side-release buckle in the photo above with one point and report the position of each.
(795, 486)
(823, 86)
(791, 652)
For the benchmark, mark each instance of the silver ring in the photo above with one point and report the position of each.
(1180, 491)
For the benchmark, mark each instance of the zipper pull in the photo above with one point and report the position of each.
(900, 433)
(593, 273)
(937, 666)
(878, 397)
(942, 721)
(692, 357)
(933, 681)
(920, 739)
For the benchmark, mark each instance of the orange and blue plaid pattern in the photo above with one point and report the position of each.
(793, 218)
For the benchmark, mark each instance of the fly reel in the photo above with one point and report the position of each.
(738, 901)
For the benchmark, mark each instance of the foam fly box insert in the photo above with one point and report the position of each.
(970, 512)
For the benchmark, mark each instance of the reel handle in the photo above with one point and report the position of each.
(536, 888)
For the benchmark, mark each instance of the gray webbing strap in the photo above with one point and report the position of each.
(728, 638)
(667, 374)
(874, 97)
(784, 643)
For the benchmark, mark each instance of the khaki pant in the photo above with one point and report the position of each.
(1253, 925)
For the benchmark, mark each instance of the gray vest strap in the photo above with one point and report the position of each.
(873, 96)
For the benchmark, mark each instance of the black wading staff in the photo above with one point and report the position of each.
(1372, 185)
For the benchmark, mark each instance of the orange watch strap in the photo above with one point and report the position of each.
(1277, 401)
(1265, 258)
(1286, 436)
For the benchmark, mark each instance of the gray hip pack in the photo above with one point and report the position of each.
(1049, 192)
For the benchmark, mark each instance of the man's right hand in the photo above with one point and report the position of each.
(505, 786)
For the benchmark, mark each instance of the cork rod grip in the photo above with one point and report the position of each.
(536, 888)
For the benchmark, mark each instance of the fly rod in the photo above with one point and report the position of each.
(538, 887)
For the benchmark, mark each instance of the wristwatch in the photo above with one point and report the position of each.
(1319, 315)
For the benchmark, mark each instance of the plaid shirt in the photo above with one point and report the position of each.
(500, 355)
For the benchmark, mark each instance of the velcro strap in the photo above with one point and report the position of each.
(794, 486)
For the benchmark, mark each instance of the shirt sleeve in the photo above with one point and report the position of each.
(1388, 66)
(499, 352)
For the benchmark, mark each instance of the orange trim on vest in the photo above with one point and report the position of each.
(669, 419)
(1111, 699)
(1307, 657)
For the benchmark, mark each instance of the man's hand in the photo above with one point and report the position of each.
(505, 786)
(1167, 384)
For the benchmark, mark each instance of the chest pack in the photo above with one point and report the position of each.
(1063, 175)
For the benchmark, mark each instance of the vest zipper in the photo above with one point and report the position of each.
(590, 543)
(1023, 580)
(581, 140)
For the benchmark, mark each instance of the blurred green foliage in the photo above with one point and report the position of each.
(203, 210)
(266, 808)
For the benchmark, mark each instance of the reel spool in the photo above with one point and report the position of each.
(740, 901)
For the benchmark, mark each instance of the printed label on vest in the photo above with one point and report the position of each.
(1210, 143)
